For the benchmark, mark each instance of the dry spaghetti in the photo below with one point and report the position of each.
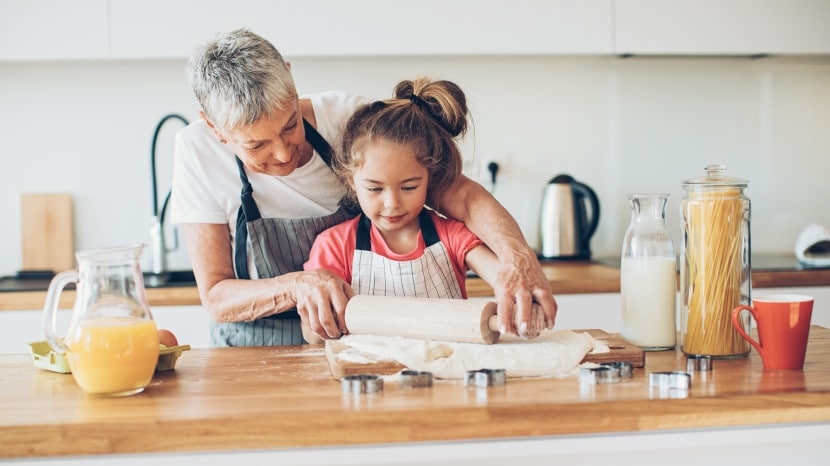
(714, 256)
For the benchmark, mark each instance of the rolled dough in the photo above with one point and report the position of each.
(554, 353)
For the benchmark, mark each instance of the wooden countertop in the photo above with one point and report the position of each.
(566, 277)
(279, 397)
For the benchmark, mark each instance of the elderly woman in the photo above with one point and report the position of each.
(252, 188)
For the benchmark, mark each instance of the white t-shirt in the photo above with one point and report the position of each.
(206, 186)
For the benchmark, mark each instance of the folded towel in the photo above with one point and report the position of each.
(813, 246)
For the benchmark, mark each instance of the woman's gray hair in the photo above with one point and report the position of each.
(238, 77)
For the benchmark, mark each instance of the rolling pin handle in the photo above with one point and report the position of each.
(493, 323)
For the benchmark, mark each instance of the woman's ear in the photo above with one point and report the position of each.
(212, 127)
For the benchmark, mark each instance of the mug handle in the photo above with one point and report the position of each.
(736, 323)
(50, 309)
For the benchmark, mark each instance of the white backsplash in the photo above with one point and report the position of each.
(618, 125)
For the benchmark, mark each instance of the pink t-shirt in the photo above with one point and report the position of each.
(333, 249)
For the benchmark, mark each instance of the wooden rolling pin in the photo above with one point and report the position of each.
(458, 320)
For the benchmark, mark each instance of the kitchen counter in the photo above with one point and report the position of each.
(566, 277)
(278, 398)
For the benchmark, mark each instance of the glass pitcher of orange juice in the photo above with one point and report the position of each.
(112, 343)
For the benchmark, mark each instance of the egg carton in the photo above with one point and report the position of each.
(45, 358)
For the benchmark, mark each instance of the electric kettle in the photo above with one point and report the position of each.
(565, 227)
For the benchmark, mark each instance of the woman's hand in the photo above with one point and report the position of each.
(523, 295)
(519, 281)
(520, 294)
(321, 302)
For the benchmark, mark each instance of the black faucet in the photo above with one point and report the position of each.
(158, 247)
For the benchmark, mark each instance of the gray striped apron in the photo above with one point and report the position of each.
(430, 276)
(278, 246)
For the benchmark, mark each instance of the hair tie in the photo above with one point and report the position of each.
(417, 100)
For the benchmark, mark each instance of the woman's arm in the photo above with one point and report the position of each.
(519, 280)
(319, 296)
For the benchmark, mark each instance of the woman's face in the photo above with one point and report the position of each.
(274, 144)
(391, 186)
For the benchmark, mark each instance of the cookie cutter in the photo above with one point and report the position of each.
(671, 379)
(607, 372)
(598, 375)
(414, 379)
(361, 383)
(624, 369)
(486, 377)
(695, 362)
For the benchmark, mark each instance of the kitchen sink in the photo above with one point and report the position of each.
(169, 278)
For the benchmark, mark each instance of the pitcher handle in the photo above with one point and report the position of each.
(50, 309)
(736, 323)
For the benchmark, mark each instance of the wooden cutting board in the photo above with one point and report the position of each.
(620, 351)
(47, 232)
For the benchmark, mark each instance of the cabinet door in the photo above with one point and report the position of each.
(722, 27)
(53, 29)
(821, 295)
(161, 29)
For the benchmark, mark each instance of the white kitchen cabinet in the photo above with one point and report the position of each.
(157, 29)
(821, 294)
(722, 27)
(604, 310)
(161, 29)
(587, 310)
(53, 30)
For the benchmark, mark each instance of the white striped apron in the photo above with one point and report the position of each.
(278, 246)
(430, 276)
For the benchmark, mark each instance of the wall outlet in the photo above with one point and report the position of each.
(502, 166)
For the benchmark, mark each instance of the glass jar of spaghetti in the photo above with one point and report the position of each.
(715, 271)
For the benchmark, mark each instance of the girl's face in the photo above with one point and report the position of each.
(391, 186)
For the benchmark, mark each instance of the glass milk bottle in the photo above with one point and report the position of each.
(715, 272)
(648, 276)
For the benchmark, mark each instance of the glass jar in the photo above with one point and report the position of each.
(715, 275)
(648, 276)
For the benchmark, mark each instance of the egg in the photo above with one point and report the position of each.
(167, 338)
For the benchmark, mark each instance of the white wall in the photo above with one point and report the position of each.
(619, 125)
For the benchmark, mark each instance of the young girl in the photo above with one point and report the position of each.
(397, 157)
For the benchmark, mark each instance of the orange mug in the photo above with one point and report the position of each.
(783, 323)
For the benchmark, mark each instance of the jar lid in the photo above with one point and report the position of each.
(715, 176)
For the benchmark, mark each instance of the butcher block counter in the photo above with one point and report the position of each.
(284, 399)
(565, 277)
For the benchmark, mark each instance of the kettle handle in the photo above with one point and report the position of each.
(588, 193)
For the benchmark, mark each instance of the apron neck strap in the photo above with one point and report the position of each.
(363, 234)
(248, 210)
